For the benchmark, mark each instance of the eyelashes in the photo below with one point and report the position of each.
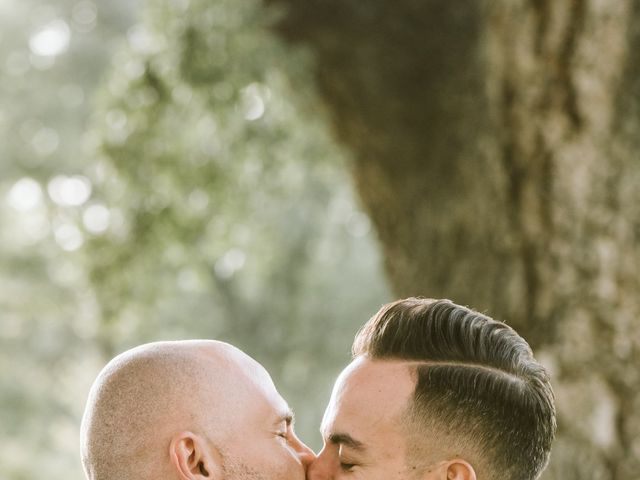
(347, 467)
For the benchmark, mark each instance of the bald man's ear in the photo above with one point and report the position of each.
(193, 458)
(460, 470)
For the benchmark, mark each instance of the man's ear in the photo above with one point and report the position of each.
(459, 469)
(193, 458)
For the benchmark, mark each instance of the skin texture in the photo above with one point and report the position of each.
(189, 410)
(365, 434)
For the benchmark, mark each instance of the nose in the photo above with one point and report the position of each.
(305, 454)
(318, 470)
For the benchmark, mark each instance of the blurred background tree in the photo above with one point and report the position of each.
(495, 149)
(52, 56)
(166, 174)
(492, 144)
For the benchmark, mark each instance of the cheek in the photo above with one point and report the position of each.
(286, 465)
(327, 466)
(273, 460)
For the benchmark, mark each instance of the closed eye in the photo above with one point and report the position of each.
(347, 467)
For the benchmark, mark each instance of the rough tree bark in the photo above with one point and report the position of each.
(496, 152)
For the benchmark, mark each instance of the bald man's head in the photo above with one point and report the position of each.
(148, 400)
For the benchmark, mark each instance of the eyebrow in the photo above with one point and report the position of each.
(286, 416)
(346, 440)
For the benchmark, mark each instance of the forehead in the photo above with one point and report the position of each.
(260, 389)
(266, 391)
(369, 398)
(248, 387)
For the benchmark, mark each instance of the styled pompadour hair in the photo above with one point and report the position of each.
(476, 377)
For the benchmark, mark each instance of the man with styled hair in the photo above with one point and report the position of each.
(189, 410)
(437, 391)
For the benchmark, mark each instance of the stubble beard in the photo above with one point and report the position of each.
(235, 470)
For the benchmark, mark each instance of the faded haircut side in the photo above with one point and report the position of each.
(476, 378)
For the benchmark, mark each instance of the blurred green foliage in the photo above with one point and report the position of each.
(199, 195)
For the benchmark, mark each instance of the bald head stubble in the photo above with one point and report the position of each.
(143, 396)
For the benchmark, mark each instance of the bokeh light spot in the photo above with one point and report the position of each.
(45, 141)
(96, 218)
(230, 263)
(134, 69)
(358, 224)
(85, 13)
(68, 237)
(181, 95)
(69, 191)
(25, 195)
(116, 119)
(198, 200)
(188, 280)
(51, 40)
(254, 106)
(143, 41)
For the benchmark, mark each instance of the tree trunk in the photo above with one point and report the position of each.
(495, 149)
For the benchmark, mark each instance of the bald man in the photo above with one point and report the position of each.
(189, 410)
